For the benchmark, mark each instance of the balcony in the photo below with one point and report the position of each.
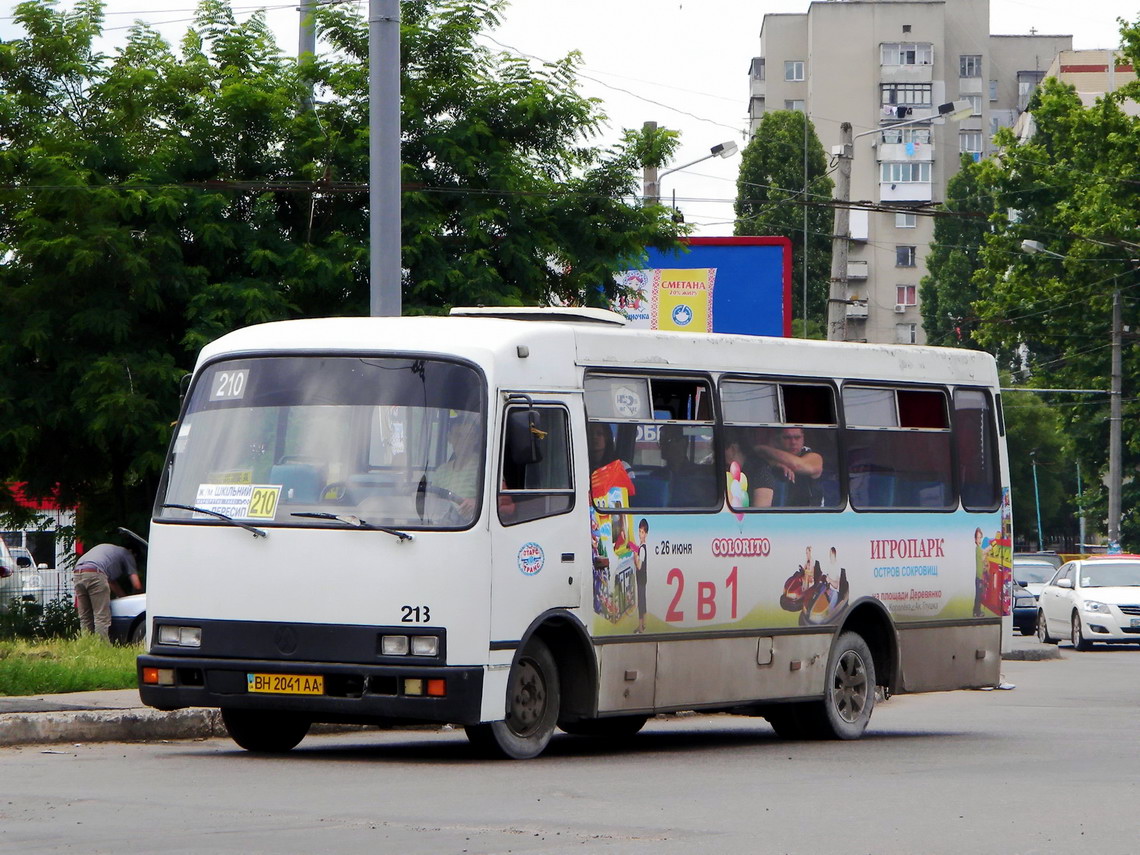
(856, 270)
(907, 191)
(857, 310)
(905, 151)
(971, 85)
(906, 73)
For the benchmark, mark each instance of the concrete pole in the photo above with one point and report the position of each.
(307, 36)
(1114, 465)
(385, 270)
(650, 186)
(837, 298)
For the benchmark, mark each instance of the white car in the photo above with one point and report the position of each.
(128, 619)
(1091, 600)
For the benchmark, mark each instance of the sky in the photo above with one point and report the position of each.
(681, 63)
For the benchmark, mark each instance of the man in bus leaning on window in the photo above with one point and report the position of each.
(796, 469)
(690, 484)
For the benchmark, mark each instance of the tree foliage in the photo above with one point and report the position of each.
(947, 292)
(1074, 188)
(1042, 468)
(771, 199)
(156, 197)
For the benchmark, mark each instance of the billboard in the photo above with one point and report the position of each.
(715, 284)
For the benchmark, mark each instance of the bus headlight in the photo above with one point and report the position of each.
(180, 636)
(416, 645)
(394, 645)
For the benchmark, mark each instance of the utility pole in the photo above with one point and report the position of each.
(650, 187)
(837, 297)
(307, 36)
(384, 269)
(804, 252)
(1114, 465)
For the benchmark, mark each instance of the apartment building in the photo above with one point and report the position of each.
(885, 66)
(1093, 73)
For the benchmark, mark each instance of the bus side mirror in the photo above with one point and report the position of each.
(524, 437)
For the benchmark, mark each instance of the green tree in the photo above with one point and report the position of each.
(771, 197)
(1071, 188)
(947, 292)
(153, 199)
(1035, 435)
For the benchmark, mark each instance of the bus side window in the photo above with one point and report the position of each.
(976, 442)
(898, 448)
(542, 487)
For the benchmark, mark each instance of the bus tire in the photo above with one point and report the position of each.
(265, 732)
(613, 727)
(533, 699)
(848, 694)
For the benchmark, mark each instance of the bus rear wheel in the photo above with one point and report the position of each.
(848, 695)
(533, 699)
(265, 732)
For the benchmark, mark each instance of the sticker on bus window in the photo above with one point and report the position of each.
(240, 501)
(627, 402)
(232, 476)
(182, 438)
(229, 385)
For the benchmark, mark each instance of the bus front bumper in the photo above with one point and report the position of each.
(323, 692)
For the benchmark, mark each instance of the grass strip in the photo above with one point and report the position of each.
(81, 664)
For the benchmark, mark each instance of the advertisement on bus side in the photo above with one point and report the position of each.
(663, 573)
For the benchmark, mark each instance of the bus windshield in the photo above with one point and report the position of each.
(324, 440)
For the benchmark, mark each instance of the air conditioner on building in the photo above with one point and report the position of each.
(899, 308)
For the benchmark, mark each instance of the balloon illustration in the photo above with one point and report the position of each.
(737, 491)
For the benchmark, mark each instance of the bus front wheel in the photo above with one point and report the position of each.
(533, 699)
(265, 732)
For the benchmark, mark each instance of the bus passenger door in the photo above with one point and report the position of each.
(540, 550)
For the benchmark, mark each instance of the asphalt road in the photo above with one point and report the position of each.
(1049, 766)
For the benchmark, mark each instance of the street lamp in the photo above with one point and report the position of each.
(1037, 502)
(1115, 471)
(651, 178)
(845, 152)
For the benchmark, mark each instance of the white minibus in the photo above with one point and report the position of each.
(525, 520)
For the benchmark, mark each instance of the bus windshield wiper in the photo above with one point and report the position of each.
(256, 532)
(354, 521)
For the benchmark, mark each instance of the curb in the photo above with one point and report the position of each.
(135, 725)
(1033, 654)
(129, 725)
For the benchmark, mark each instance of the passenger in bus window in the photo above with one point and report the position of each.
(691, 485)
(602, 450)
(607, 472)
(750, 481)
(796, 469)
